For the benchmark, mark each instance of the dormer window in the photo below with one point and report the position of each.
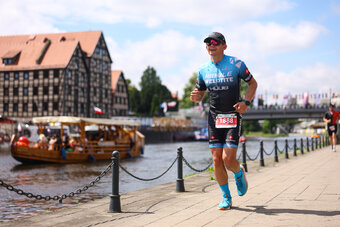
(10, 57)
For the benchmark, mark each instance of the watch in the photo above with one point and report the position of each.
(246, 102)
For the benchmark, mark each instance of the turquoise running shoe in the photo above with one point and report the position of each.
(226, 203)
(241, 183)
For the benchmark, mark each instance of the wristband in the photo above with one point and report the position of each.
(246, 102)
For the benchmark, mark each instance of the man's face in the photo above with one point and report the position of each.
(215, 48)
(331, 108)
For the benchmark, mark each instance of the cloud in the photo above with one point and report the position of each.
(255, 40)
(335, 7)
(313, 78)
(47, 14)
(169, 51)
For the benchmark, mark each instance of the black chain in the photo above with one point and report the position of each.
(150, 179)
(57, 197)
(252, 159)
(197, 170)
(269, 153)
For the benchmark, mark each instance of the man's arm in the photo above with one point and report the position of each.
(241, 107)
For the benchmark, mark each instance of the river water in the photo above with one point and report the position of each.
(56, 179)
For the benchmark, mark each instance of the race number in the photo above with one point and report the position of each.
(226, 121)
(332, 128)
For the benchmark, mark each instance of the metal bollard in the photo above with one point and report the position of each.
(115, 197)
(301, 146)
(261, 154)
(244, 156)
(307, 144)
(180, 181)
(312, 144)
(276, 158)
(320, 142)
(294, 147)
(286, 149)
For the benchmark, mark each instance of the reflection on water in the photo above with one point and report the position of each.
(57, 179)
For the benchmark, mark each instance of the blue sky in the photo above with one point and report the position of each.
(289, 46)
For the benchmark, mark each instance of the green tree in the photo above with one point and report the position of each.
(152, 93)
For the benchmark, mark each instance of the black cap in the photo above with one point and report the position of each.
(332, 104)
(215, 36)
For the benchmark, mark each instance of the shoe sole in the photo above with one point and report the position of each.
(245, 178)
(223, 208)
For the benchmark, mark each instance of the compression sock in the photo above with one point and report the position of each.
(239, 173)
(225, 189)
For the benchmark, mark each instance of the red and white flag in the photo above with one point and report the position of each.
(97, 110)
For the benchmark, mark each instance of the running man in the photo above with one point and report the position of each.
(221, 76)
(331, 118)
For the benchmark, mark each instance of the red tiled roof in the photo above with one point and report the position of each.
(58, 53)
(115, 74)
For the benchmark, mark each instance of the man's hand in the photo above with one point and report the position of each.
(196, 95)
(241, 107)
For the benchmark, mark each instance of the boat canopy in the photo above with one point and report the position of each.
(87, 121)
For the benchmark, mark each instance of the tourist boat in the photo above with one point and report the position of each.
(77, 139)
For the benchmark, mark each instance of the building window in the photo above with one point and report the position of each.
(36, 75)
(45, 106)
(82, 78)
(69, 74)
(25, 107)
(94, 91)
(69, 90)
(45, 90)
(35, 90)
(5, 107)
(16, 75)
(55, 106)
(82, 109)
(25, 91)
(81, 92)
(46, 74)
(76, 64)
(56, 90)
(56, 73)
(94, 62)
(6, 91)
(26, 75)
(35, 107)
(101, 68)
(15, 91)
(15, 107)
(6, 76)
(76, 79)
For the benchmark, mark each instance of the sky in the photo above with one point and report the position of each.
(289, 46)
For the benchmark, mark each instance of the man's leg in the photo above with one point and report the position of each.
(334, 141)
(229, 158)
(221, 177)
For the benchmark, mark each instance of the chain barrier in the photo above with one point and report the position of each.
(57, 197)
(253, 159)
(147, 179)
(268, 154)
(197, 170)
(239, 156)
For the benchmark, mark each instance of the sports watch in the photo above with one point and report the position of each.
(246, 102)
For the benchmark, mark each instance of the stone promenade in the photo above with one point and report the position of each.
(300, 191)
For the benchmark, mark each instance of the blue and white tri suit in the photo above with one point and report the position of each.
(222, 79)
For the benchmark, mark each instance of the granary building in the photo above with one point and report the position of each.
(57, 74)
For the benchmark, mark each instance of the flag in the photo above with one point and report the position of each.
(172, 104)
(97, 110)
(164, 106)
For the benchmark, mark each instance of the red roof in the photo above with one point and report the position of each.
(58, 53)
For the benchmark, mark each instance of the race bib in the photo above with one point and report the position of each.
(226, 121)
(332, 128)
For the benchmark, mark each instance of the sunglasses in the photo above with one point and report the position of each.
(213, 42)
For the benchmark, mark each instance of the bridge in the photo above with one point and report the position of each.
(285, 113)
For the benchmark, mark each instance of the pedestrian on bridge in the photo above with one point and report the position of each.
(331, 118)
(221, 76)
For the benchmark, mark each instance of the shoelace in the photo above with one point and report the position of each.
(238, 182)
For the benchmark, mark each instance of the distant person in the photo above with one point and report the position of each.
(221, 76)
(331, 118)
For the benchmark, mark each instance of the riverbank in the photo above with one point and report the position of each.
(300, 191)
